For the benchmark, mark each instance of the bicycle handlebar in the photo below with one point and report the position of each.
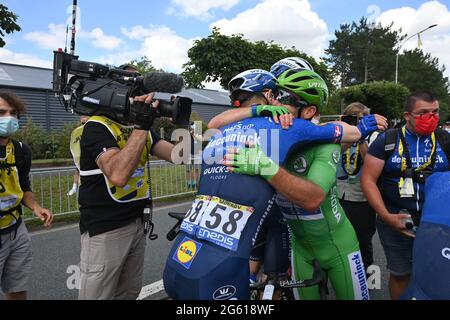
(317, 279)
(172, 234)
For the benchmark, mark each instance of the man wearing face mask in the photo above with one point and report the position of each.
(401, 160)
(15, 163)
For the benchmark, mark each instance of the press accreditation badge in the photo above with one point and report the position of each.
(407, 190)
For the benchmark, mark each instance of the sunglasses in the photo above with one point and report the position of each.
(290, 99)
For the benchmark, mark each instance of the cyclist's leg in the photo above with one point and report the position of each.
(257, 253)
(276, 255)
(345, 265)
(277, 246)
(302, 269)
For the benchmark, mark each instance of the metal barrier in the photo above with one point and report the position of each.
(50, 185)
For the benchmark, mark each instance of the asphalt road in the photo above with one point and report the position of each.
(56, 259)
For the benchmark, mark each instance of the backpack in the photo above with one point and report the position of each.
(19, 156)
(18, 153)
(391, 135)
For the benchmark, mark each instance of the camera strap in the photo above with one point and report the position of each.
(148, 210)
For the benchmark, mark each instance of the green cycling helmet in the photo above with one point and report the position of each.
(307, 84)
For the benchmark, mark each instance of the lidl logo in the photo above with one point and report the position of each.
(186, 252)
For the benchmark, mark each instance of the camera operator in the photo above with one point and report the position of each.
(113, 194)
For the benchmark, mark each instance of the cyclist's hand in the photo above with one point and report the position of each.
(395, 221)
(250, 160)
(367, 125)
(286, 120)
(268, 111)
(371, 123)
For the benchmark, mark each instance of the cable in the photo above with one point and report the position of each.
(148, 210)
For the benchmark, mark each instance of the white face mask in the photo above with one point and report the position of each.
(8, 126)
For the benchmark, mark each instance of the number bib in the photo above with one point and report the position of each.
(216, 220)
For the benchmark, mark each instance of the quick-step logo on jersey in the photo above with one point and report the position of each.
(360, 288)
(224, 293)
(186, 252)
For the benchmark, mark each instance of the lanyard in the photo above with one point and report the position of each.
(406, 160)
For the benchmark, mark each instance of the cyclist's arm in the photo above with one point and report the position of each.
(229, 116)
(298, 190)
(323, 170)
(309, 192)
(341, 132)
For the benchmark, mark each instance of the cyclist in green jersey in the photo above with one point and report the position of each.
(319, 226)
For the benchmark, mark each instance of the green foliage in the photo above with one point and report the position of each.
(35, 137)
(220, 58)
(143, 65)
(46, 145)
(421, 72)
(382, 97)
(196, 117)
(62, 143)
(7, 23)
(363, 52)
(164, 128)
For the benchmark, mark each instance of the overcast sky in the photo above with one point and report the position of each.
(117, 31)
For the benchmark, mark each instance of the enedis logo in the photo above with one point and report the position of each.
(186, 251)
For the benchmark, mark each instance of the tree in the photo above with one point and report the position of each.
(421, 72)
(143, 65)
(363, 52)
(7, 23)
(382, 97)
(219, 58)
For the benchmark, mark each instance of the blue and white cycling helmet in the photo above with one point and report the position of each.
(290, 63)
(253, 81)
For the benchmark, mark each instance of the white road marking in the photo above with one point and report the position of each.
(151, 289)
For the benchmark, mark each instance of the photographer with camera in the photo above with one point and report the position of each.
(351, 197)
